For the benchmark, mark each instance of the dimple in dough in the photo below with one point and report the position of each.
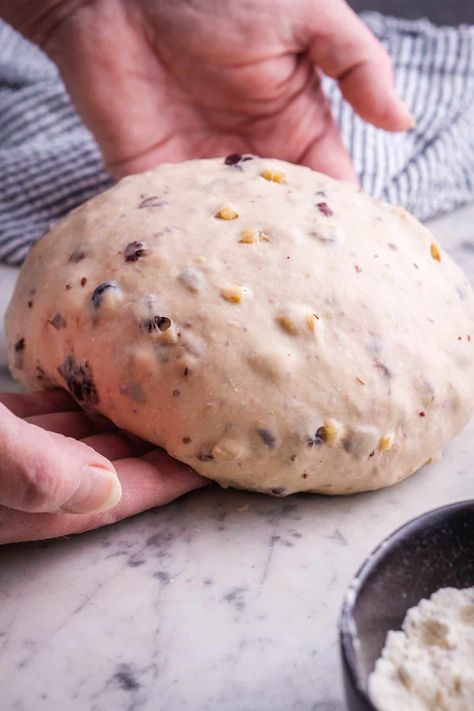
(273, 328)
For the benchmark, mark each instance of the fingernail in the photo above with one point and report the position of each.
(98, 491)
(409, 116)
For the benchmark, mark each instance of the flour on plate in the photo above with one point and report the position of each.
(429, 664)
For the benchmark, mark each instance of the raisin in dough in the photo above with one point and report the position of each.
(273, 328)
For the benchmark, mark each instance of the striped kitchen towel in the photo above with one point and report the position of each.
(49, 162)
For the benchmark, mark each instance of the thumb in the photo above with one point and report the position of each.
(345, 49)
(45, 472)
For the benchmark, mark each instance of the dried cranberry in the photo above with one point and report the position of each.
(278, 491)
(205, 457)
(77, 256)
(58, 321)
(320, 435)
(156, 323)
(324, 209)
(79, 381)
(233, 159)
(134, 250)
(153, 201)
(267, 437)
(385, 370)
(98, 294)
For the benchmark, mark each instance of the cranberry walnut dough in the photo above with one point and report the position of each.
(273, 328)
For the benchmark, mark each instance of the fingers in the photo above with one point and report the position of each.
(326, 152)
(38, 403)
(118, 445)
(172, 476)
(345, 49)
(311, 136)
(152, 481)
(43, 471)
(73, 424)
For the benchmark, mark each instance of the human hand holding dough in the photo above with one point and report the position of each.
(159, 81)
(58, 461)
(272, 328)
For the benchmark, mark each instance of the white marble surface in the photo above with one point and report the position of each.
(220, 601)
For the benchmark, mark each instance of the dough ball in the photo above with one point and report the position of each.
(273, 328)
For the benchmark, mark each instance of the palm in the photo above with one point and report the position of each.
(159, 81)
(288, 123)
(226, 95)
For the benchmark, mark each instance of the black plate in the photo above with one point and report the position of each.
(433, 551)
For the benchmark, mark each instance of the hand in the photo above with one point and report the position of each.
(56, 475)
(160, 81)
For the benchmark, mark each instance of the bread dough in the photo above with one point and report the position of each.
(273, 328)
(428, 664)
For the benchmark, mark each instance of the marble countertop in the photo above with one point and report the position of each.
(222, 600)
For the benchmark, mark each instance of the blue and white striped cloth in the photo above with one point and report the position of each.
(49, 162)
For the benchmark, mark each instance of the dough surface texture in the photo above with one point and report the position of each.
(273, 328)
